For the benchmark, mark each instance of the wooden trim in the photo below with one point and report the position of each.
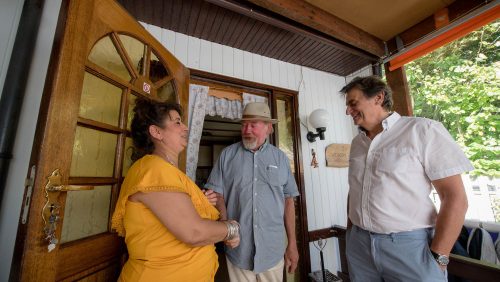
(339, 232)
(97, 125)
(400, 90)
(312, 22)
(90, 271)
(324, 233)
(124, 55)
(163, 81)
(299, 167)
(456, 10)
(263, 89)
(106, 244)
(473, 269)
(453, 34)
(224, 94)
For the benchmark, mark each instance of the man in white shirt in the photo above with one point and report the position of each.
(394, 232)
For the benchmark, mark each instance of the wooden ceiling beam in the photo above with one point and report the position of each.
(356, 41)
(311, 16)
(438, 20)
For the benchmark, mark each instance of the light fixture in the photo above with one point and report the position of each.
(319, 120)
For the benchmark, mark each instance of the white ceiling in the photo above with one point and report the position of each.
(381, 18)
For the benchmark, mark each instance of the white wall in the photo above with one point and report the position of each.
(14, 188)
(325, 187)
(10, 12)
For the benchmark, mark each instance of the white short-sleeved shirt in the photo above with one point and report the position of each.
(390, 176)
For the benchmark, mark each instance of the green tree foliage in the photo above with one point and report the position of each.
(458, 85)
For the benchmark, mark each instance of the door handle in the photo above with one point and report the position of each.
(50, 212)
(54, 184)
(67, 188)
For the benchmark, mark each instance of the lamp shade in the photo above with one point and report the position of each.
(319, 118)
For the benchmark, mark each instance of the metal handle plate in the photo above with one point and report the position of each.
(50, 212)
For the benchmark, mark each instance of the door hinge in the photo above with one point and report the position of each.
(29, 182)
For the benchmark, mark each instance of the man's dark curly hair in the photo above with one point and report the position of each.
(371, 86)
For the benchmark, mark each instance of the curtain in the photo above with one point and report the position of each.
(251, 98)
(202, 104)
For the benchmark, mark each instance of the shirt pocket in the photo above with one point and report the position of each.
(273, 176)
(394, 160)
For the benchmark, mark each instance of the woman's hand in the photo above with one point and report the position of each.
(211, 196)
(233, 243)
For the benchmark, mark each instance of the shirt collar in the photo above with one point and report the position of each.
(387, 123)
(390, 120)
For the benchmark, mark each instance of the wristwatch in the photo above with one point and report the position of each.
(441, 259)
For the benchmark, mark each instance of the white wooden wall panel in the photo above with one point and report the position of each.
(10, 13)
(325, 187)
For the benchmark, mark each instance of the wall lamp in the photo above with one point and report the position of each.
(319, 120)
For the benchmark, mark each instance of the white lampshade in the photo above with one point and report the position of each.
(319, 118)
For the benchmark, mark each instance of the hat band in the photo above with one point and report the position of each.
(255, 116)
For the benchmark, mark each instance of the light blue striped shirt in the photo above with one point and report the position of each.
(254, 186)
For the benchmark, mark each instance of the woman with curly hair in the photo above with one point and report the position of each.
(169, 225)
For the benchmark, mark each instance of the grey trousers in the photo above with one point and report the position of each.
(403, 256)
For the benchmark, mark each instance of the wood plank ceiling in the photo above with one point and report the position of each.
(214, 23)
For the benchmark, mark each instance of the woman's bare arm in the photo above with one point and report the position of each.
(176, 211)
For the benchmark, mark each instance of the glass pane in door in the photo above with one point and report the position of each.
(93, 153)
(105, 55)
(100, 100)
(285, 130)
(86, 213)
(166, 93)
(135, 50)
(130, 114)
(157, 70)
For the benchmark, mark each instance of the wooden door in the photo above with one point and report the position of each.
(103, 59)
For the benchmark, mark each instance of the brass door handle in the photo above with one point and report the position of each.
(54, 184)
(50, 212)
(66, 188)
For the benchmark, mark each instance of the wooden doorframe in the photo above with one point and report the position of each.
(304, 259)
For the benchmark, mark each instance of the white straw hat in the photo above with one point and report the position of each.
(257, 111)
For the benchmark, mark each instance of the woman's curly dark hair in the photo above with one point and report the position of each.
(148, 112)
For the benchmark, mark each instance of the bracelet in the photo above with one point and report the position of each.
(233, 230)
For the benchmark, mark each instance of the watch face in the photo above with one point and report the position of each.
(443, 260)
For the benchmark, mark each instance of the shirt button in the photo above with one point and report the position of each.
(255, 165)
(255, 194)
(255, 210)
(255, 179)
(255, 226)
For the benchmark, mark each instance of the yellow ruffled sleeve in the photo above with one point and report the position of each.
(148, 174)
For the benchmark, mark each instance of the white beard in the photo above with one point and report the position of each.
(250, 144)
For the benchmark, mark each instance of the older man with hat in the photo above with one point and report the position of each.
(256, 188)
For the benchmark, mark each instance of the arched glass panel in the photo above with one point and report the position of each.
(135, 50)
(105, 55)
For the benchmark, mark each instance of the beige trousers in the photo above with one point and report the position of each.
(274, 274)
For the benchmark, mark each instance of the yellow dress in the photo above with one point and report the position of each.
(154, 253)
